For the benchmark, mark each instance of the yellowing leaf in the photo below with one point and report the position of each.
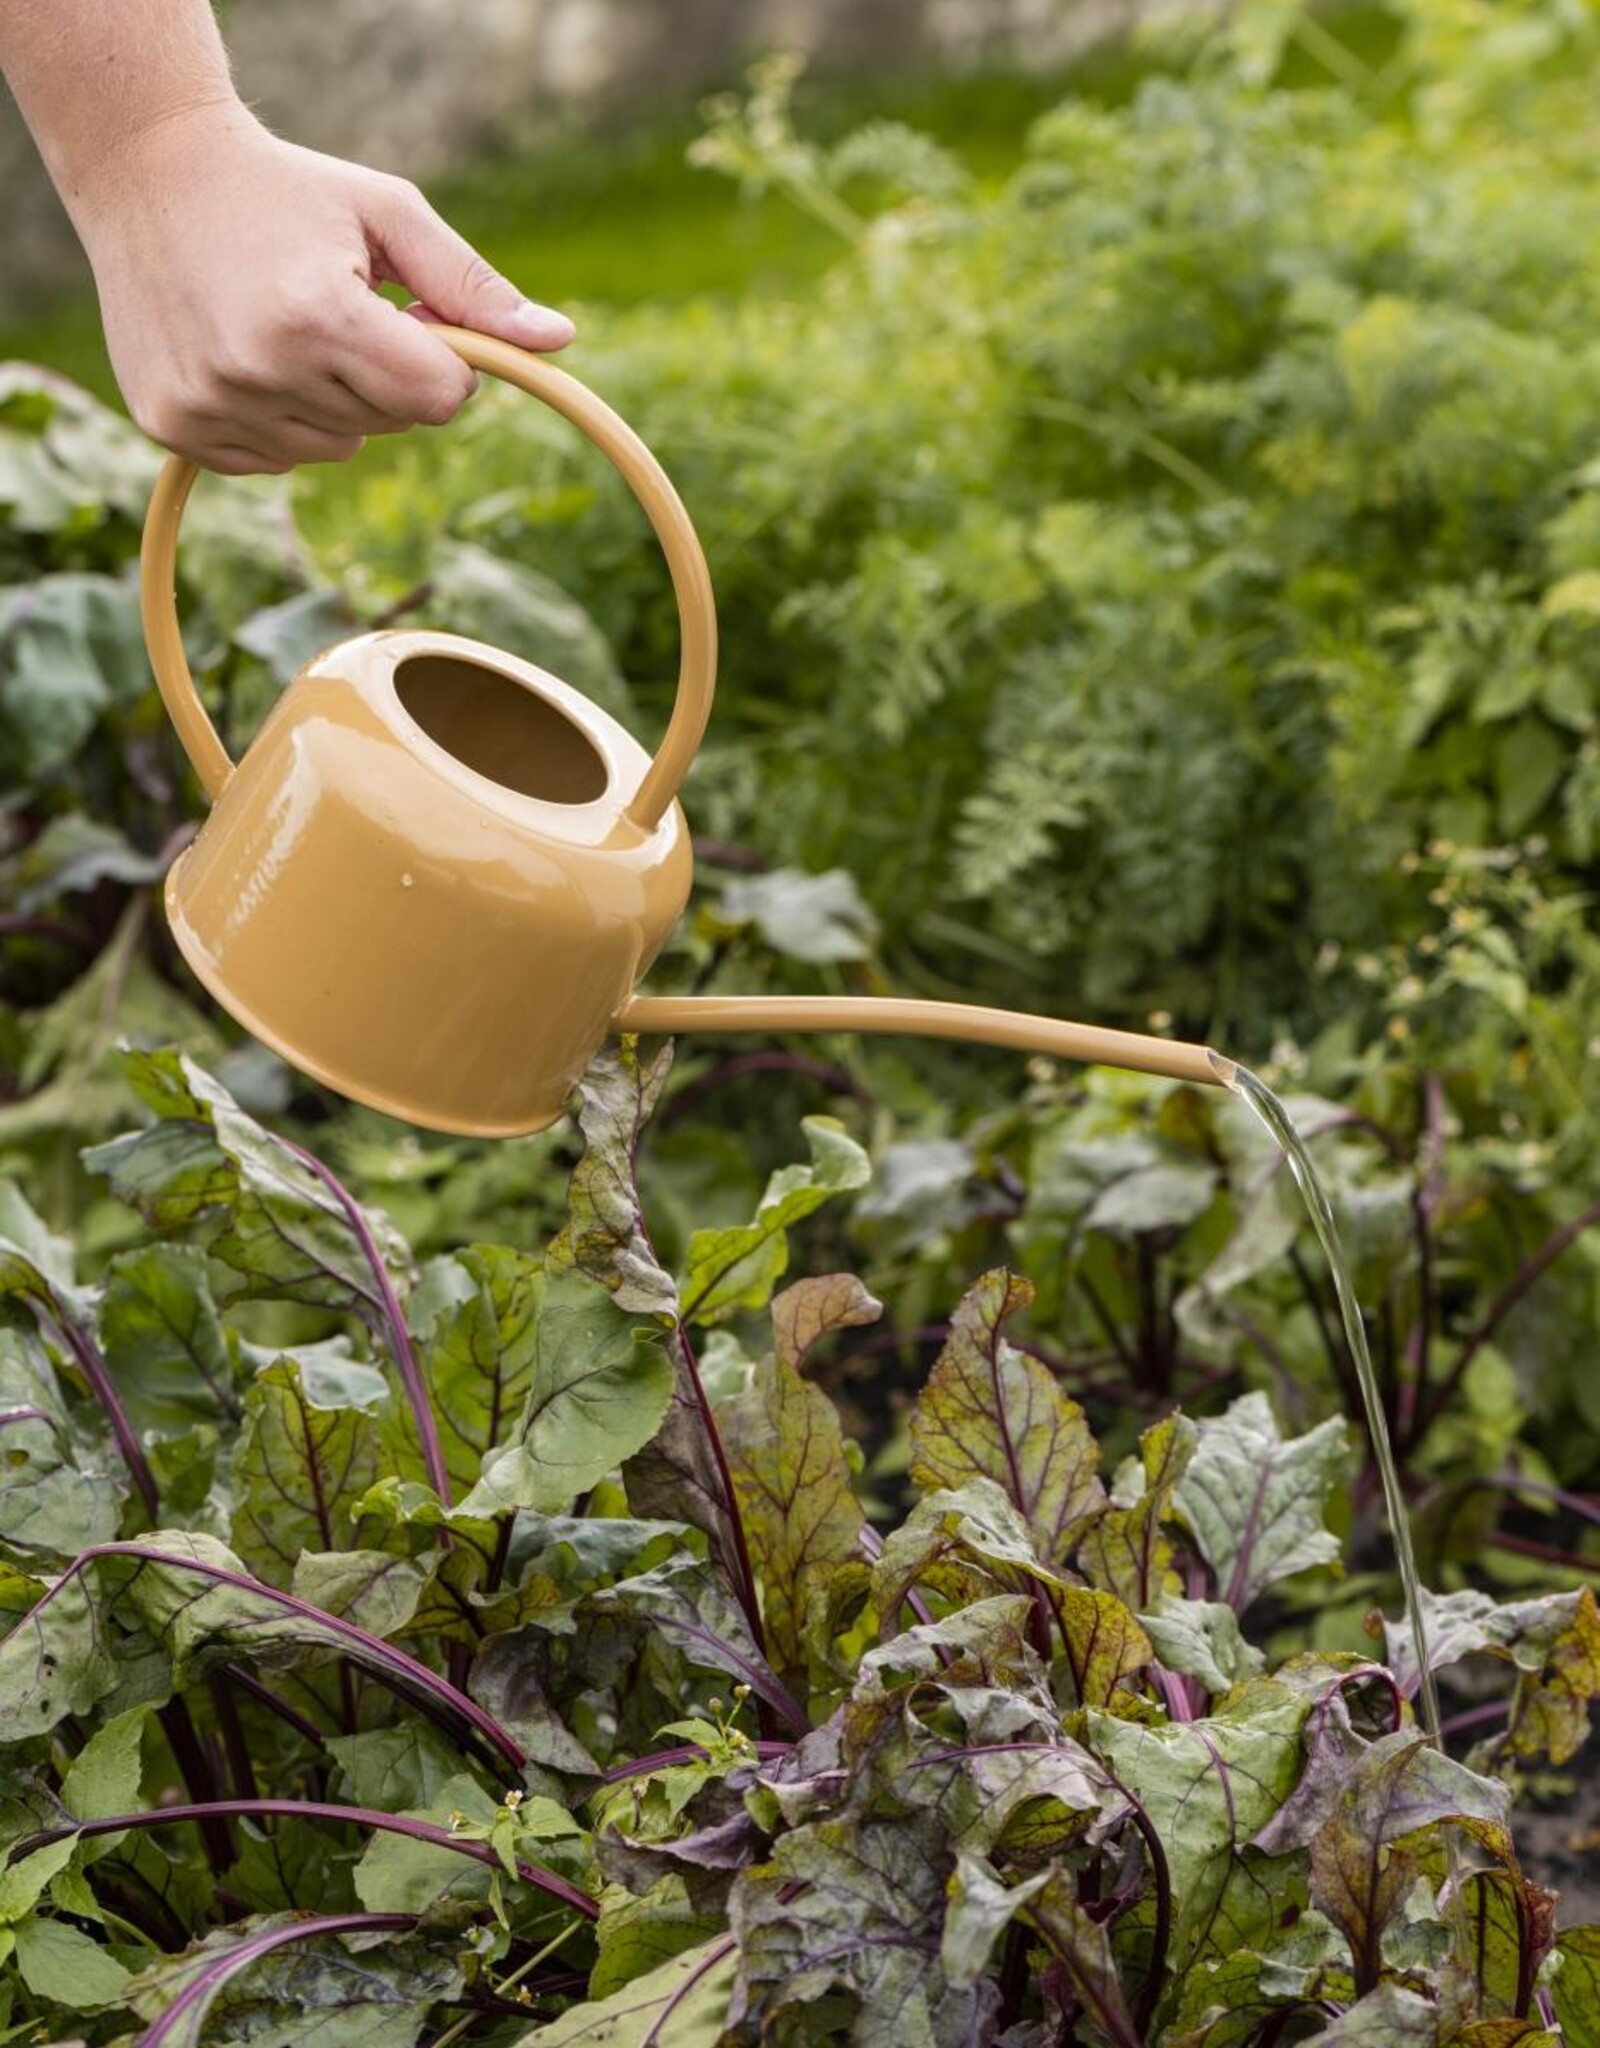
(1127, 1552)
(991, 1412)
(802, 1315)
(801, 1517)
(1105, 1643)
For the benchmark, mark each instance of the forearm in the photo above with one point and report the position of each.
(93, 76)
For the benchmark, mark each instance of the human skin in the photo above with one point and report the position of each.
(237, 272)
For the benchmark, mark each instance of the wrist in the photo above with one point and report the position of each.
(130, 166)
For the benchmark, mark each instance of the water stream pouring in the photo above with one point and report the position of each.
(436, 877)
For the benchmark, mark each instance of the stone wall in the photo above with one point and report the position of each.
(413, 84)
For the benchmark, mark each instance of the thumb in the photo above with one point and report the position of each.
(425, 256)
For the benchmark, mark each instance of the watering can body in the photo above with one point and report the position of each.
(438, 873)
(421, 885)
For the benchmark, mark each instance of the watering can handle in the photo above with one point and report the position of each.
(691, 581)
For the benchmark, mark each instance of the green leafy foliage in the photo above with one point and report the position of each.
(988, 1760)
(468, 1613)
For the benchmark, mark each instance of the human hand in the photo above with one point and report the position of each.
(236, 275)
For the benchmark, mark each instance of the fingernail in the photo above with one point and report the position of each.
(539, 326)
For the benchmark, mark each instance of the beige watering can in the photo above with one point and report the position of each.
(438, 874)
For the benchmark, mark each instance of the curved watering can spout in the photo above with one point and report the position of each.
(972, 1023)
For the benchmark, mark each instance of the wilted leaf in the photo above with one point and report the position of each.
(1555, 1640)
(1083, 1946)
(1254, 1500)
(1471, 1623)
(1361, 1865)
(606, 1235)
(966, 1542)
(852, 1908)
(985, 1643)
(737, 1267)
(979, 1910)
(990, 1412)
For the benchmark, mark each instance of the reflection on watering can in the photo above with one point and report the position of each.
(438, 873)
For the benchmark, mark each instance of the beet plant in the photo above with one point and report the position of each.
(513, 1649)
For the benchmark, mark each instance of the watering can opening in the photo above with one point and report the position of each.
(501, 729)
(438, 875)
